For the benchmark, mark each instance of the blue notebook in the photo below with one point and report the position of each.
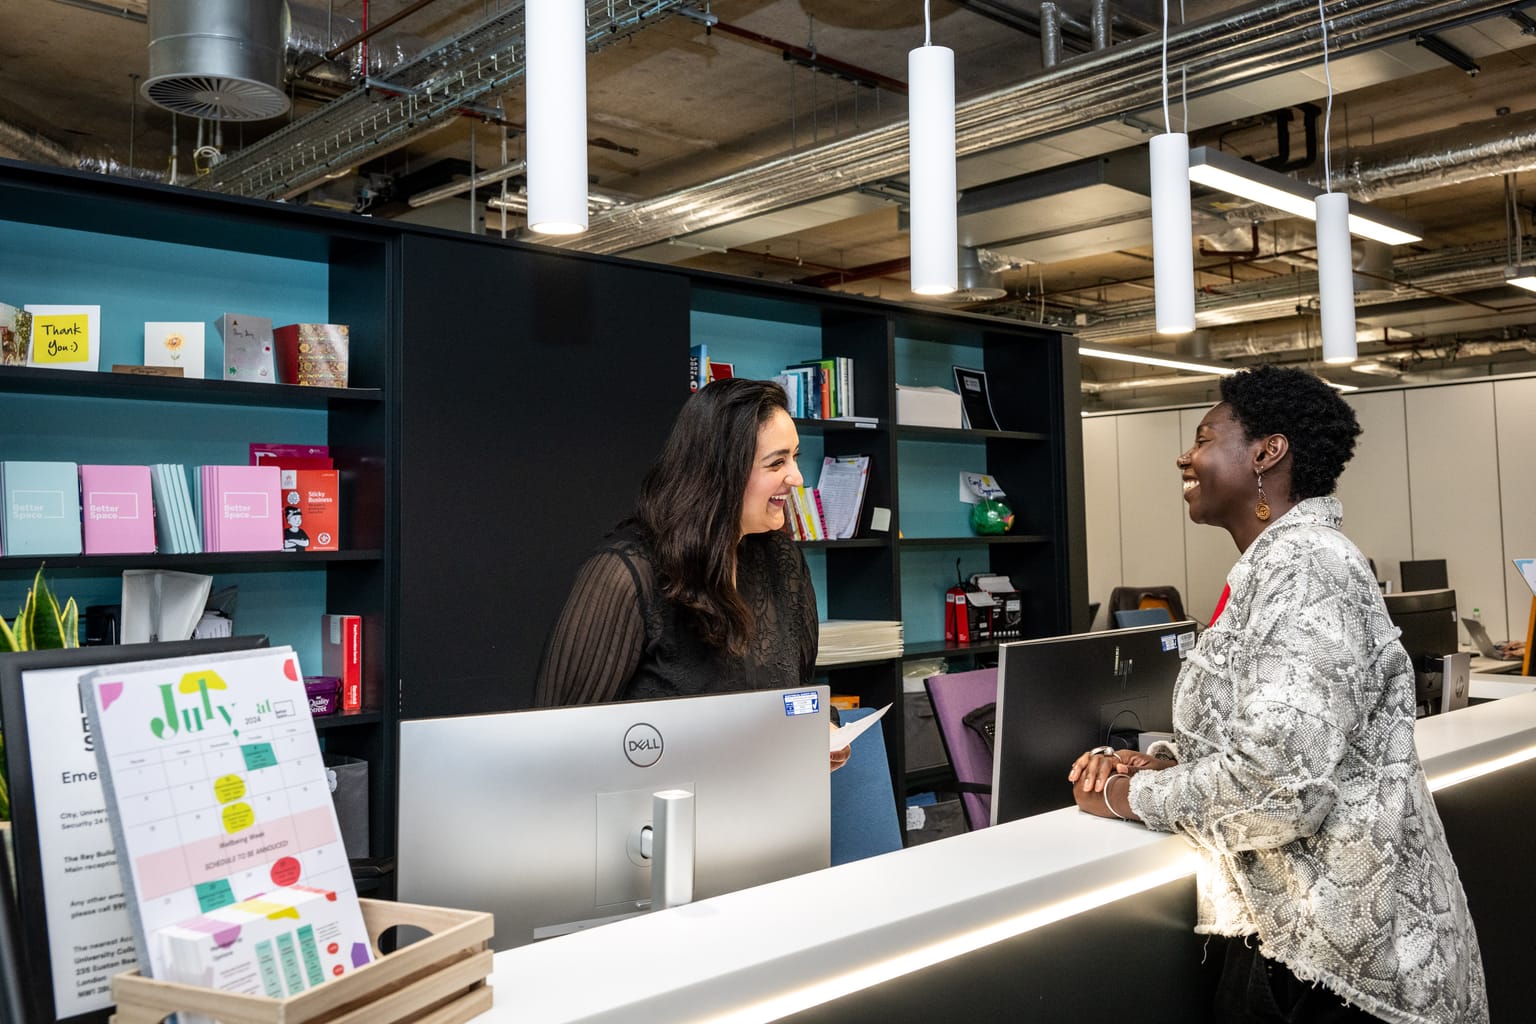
(42, 508)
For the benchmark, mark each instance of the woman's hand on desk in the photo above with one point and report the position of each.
(1094, 768)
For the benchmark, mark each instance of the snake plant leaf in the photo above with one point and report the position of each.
(24, 625)
(8, 641)
(70, 618)
(47, 623)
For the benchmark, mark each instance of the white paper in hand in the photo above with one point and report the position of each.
(843, 735)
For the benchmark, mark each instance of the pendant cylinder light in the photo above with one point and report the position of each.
(1336, 278)
(557, 116)
(1173, 257)
(931, 152)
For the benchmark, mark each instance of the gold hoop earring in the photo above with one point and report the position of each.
(1261, 509)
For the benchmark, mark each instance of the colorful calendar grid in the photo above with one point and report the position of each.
(217, 793)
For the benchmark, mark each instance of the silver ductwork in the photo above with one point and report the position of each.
(977, 283)
(1218, 53)
(217, 59)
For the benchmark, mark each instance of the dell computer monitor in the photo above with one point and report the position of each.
(1424, 574)
(1427, 619)
(1060, 696)
(540, 816)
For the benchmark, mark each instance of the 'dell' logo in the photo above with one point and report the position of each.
(642, 745)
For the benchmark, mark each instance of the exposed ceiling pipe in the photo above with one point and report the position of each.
(1097, 88)
(429, 91)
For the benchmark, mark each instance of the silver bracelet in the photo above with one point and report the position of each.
(1111, 806)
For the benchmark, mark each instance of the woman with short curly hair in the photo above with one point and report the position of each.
(1293, 767)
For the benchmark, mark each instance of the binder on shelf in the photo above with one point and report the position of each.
(341, 655)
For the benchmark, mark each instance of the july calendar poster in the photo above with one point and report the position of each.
(217, 794)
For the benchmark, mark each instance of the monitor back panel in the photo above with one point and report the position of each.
(534, 815)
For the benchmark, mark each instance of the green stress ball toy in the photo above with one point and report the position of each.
(989, 516)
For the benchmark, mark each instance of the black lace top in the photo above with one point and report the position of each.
(619, 639)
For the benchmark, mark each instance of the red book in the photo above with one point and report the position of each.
(311, 510)
(341, 655)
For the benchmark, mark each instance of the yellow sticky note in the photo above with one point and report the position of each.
(238, 817)
(228, 787)
(61, 338)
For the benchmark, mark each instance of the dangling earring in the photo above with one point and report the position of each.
(1261, 510)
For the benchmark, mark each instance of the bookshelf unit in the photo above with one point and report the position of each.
(903, 572)
(506, 401)
(145, 252)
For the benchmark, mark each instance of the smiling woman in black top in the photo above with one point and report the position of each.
(700, 591)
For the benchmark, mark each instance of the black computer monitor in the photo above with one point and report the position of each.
(1428, 621)
(1060, 696)
(1424, 574)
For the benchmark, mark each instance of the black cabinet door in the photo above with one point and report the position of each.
(535, 390)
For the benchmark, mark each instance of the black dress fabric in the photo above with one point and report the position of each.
(618, 638)
(1257, 990)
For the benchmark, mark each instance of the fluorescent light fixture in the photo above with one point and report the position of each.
(1336, 279)
(1145, 358)
(933, 235)
(1227, 173)
(1521, 277)
(1173, 256)
(1341, 388)
(556, 69)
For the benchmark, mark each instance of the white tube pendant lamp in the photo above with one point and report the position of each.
(555, 37)
(1173, 257)
(1336, 278)
(935, 250)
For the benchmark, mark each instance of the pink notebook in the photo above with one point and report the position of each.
(117, 514)
(243, 508)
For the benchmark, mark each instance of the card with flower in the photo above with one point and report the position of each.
(175, 343)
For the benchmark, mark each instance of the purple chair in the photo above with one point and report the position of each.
(954, 696)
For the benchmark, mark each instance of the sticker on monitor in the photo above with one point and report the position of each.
(802, 702)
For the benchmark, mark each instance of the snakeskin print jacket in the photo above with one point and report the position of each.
(1298, 780)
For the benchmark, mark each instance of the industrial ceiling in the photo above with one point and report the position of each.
(767, 138)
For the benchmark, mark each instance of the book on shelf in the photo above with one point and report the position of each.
(844, 479)
(65, 337)
(117, 510)
(975, 399)
(698, 366)
(720, 371)
(311, 510)
(176, 530)
(176, 344)
(248, 347)
(228, 743)
(822, 386)
(42, 508)
(292, 456)
(793, 392)
(806, 522)
(241, 508)
(15, 335)
(312, 355)
(341, 655)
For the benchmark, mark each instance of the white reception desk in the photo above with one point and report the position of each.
(763, 953)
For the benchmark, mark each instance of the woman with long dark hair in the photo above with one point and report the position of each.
(700, 591)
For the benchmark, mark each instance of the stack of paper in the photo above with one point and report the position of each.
(845, 640)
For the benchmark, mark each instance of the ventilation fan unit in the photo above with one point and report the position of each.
(217, 59)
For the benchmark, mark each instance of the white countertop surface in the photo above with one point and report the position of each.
(762, 953)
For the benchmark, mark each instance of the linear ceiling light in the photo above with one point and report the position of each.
(933, 234)
(1145, 358)
(556, 47)
(1521, 277)
(1227, 173)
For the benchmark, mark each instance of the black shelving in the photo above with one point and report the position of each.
(211, 560)
(134, 386)
(951, 542)
(915, 433)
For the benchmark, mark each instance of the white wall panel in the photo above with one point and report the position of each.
(1101, 497)
(1515, 407)
(1151, 501)
(1209, 550)
(1453, 477)
(1374, 487)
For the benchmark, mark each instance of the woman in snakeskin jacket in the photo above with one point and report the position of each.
(1293, 767)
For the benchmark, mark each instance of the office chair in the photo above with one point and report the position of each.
(954, 696)
(1125, 618)
(864, 821)
(1128, 598)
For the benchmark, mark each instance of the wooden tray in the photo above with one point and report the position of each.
(438, 980)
